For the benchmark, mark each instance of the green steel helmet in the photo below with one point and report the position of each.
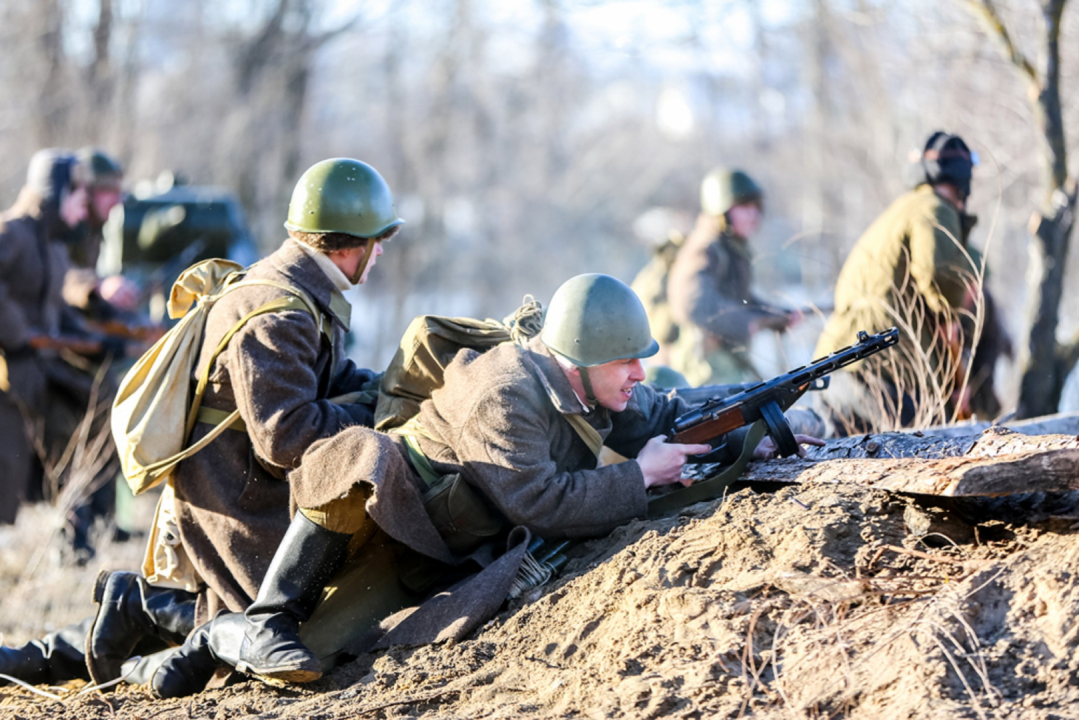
(595, 319)
(102, 170)
(724, 188)
(341, 195)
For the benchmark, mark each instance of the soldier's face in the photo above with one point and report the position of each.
(102, 201)
(613, 382)
(73, 207)
(376, 251)
(745, 219)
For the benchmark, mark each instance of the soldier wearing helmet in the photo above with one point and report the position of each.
(518, 429)
(910, 268)
(230, 502)
(709, 287)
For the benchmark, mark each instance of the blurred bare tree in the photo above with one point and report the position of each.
(1045, 363)
(523, 139)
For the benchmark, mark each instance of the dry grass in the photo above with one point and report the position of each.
(41, 589)
(810, 632)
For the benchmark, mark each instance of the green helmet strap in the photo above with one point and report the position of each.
(368, 248)
(587, 382)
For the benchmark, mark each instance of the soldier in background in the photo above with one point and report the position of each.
(911, 269)
(101, 300)
(650, 284)
(50, 386)
(709, 288)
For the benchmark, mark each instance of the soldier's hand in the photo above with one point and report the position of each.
(661, 462)
(766, 450)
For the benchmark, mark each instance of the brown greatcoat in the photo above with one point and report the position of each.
(231, 498)
(32, 268)
(712, 302)
(710, 285)
(499, 420)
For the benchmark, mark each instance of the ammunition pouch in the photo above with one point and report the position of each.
(462, 516)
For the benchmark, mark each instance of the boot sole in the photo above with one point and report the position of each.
(279, 678)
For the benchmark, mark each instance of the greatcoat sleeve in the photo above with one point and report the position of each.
(507, 456)
(651, 413)
(14, 326)
(271, 362)
(716, 309)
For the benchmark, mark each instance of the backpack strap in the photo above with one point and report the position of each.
(296, 299)
(289, 302)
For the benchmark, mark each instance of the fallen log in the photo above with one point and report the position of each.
(997, 462)
(1059, 424)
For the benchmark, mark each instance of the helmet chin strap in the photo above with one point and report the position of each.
(368, 249)
(587, 383)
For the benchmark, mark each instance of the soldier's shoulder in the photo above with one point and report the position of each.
(924, 201)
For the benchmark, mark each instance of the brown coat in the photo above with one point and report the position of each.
(498, 420)
(710, 285)
(32, 268)
(231, 499)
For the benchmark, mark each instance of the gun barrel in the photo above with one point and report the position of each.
(784, 389)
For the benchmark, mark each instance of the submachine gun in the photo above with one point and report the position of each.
(766, 401)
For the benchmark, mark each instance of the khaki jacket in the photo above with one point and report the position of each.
(231, 498)
(912, 258)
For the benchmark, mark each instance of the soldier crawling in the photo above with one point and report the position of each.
(519, 426)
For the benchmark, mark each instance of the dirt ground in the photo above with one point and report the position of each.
(811, 601)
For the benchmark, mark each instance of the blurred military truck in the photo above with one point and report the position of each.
(166, 226)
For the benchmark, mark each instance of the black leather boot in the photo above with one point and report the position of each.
(212, 645)
(130, 612)
(53, 659)
(308, 557)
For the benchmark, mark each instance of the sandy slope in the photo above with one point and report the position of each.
(811, 601)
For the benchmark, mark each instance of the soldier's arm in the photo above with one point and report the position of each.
(938, 265)
(506, 452)
(271, 363)
(350, 378)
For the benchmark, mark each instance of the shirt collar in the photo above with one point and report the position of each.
(337, 277)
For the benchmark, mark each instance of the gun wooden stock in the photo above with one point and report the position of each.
(79, 346)
(116, 328)
(709, 430)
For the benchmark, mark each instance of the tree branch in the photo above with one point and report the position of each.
(987, 13)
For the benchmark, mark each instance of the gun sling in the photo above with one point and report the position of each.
(715, 486)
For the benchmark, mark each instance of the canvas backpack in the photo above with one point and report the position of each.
(154, 411)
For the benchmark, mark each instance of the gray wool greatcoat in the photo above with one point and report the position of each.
(499, 421)
(232, 498)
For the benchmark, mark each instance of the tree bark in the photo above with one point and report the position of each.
(1044, 363)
